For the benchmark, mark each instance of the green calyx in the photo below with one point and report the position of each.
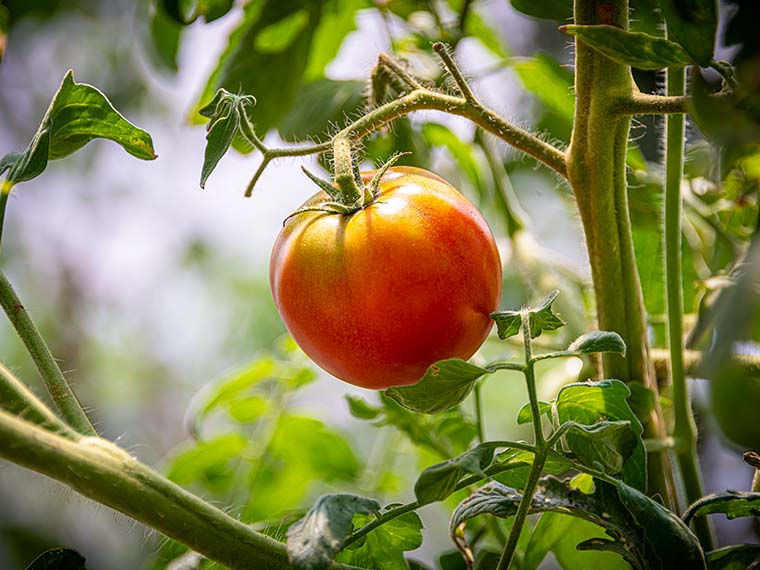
(338, 202)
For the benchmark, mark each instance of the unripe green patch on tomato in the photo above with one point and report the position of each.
(376, 296)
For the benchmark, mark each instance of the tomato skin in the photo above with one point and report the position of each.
(377, 296)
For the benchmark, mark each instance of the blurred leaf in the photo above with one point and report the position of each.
(5, 22)
(738, 557)
(636, 49)
(559, 10)
(58, 559)
(589, 402)
(320, 107)
(362, 409)
(187, 11)
(384, 547)
(77, 114)
(693, 24)
(314, 541)
(733, 504)
(549, 82)
(248, 410)
(492, 40)
(560, 534)
(208, 462)
(525, 415)
(232, 387)
(604, 444)
(439, 481)
(436, 134)
(644, 532)
(598, 341)
(276, 46)
(445, 384)
(165, 34)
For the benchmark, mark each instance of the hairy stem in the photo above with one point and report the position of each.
(684, 429)
(597, 174)
(57, 385)
(105, 473)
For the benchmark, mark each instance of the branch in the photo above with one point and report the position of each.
(57, 385)
(101, 471)
(421, 98)
(17, 399)
(643, 104)
(749, 363)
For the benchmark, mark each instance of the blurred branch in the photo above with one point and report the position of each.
(643, 104)
(749, 363)
(55, 382)
(101, 471)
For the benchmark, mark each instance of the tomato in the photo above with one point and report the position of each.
(376, 296)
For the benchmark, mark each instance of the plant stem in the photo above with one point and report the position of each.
(539, 457)
(479, 414)
(18, 400)
(596, 169)
(103, 472)
(4, 194)
(57, 385)
(684, 429)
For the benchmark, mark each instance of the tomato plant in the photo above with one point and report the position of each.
(390, 279)
(377, 295)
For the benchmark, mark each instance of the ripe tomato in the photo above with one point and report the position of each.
(377, 296)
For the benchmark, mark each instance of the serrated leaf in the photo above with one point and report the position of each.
(541, 318)
(636, 49)
(525, 415)
(445, 384)
(440, 480)
(733, 504)
(598, 341)
(644, 532)
(508, 323)
(383, 548)
(512, 467)
(693, 24)
(58, 559)
(737, 557)
(605, 444)
(314, 541)
(362, 409)
(590, 402)
(77, 114)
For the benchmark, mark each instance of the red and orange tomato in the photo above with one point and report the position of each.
(377, 296)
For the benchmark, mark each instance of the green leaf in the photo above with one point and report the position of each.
(511, 467)
(248, 410)
(165, 34)
(693, 24)
(58, 559)
(605, 444)
(598, 341)
(560, 534)
(276, 48)
(438, 135)
(552, 84)
(541, 318)
(231, 388)
(558, 10)
(643, 532)
(636, 49)
(590, 402)
(525, 415)
(737, 557)
(314, 541)
(477, 27)
(77, 114)
(440, 480)
(320, 106)
(227, 112)
(733, 504)
(445, 384)
(384, 547)
(208, 462)
(362, 409)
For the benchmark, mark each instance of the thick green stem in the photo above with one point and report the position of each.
(105, 473)
(57, 385)
(596, 163)
(684, 428)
